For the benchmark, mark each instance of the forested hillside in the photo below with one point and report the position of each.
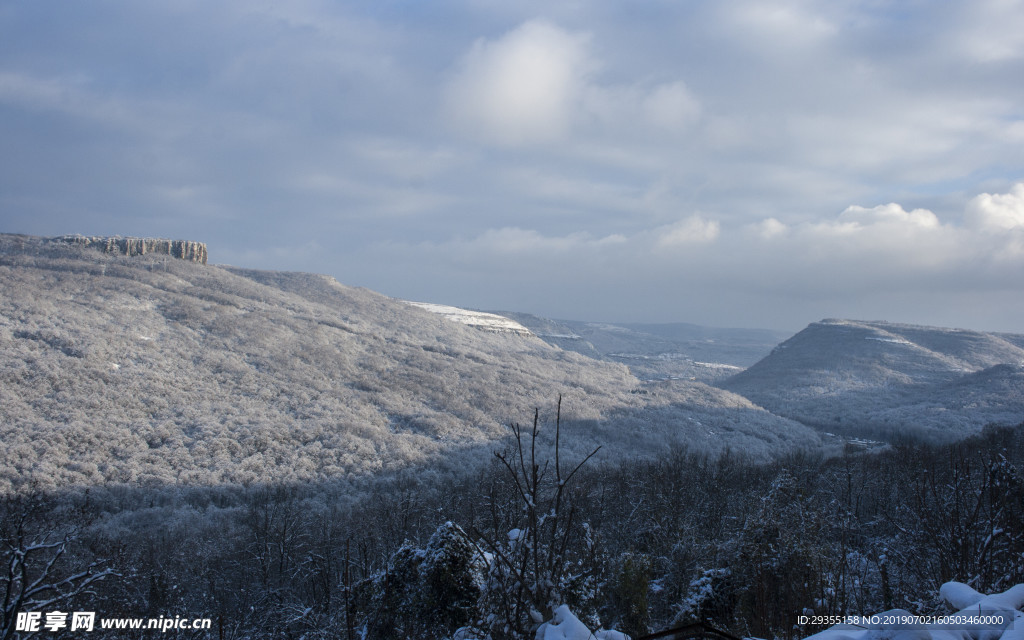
(155, 370)
(338, 461)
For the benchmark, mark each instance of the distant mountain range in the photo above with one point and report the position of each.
(667, 351)
(158, 369)
(145, 366)
(891, 380)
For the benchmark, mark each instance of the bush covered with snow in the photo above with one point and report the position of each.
(565, 626)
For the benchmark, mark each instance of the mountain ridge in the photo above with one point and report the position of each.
(142, 370)
(887, 377)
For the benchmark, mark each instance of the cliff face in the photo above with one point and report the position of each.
(182, 249)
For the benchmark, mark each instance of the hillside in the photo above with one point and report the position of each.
(154, 370)
(884, 378)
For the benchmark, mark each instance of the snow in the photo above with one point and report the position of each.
(961, 597)
(479, 319)
(566, 626)
(892, 340)
(718, 365)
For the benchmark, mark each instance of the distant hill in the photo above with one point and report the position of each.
(147, 369)
(668, 351)
(890, 379)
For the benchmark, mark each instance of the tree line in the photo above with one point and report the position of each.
(637, 545)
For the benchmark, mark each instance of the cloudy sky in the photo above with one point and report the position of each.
(765, 163)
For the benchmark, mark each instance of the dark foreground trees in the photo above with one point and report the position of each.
(38, 573)
(634, 546)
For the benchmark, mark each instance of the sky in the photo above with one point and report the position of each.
(763, 163)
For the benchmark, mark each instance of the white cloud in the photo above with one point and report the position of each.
(538, 84)
(522, 87)
(320, 119)
(998, 212)
(693, 230)
(889, 215)
(771, 228)
(883, 261)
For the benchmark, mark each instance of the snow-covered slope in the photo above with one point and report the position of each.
(479, 319)
(149, 370)
(890, 377)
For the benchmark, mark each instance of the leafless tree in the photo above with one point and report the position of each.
(34, 579)
(532, 565)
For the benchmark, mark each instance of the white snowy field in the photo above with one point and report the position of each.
(478, 319)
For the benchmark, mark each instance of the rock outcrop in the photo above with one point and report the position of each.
(182, 249)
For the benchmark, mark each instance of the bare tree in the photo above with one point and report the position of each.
(33, 580)
(536, 566)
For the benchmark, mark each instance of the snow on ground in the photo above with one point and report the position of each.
(478, 319)
(565, 626)
(717, 365)
(979, 617)
(892, 340)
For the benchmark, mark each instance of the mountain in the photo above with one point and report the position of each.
(884, 378)
(148, 366)
(668, 351)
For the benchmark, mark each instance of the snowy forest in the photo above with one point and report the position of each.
(634, 546)
(289, 457)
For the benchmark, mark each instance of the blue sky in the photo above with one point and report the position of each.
(762, 164)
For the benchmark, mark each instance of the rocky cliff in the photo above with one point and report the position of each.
(182, 249)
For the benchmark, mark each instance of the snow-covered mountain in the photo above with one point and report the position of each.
(151, 369)
(891, 379)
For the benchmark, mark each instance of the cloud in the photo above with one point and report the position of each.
(994, 31)
(522, 87)
(998, 212)
(783, 24)
(473, 148)
(539, 84)
(770, 228)
(693, 230)
(640, 109)
(512, 241)
(889, 216)
(671, 106)
(887, 261)
(74, 97)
